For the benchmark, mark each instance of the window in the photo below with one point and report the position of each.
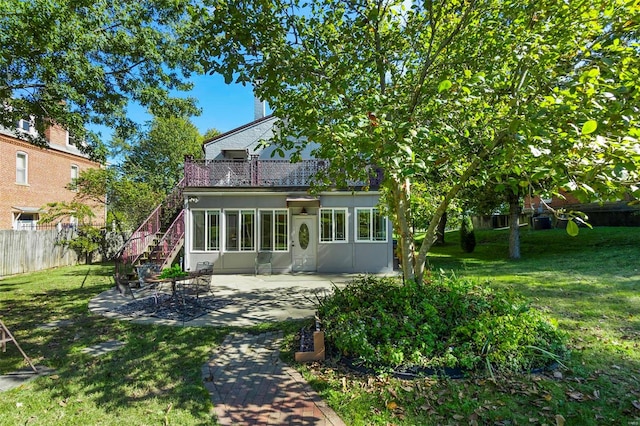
(25, 126)
(370, 225)
(74, 178)
(240, 230)
(274, 230)
(333, 225)
(205, 226)
(71, 139)
(21, 168)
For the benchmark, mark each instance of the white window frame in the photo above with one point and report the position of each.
(208, 246)
(273, 230)
(26, 167)
(31, 128)
(371, 212)
(74, 179)
(241, 219)
(334, 239)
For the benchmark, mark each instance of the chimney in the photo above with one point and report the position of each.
(259, 108)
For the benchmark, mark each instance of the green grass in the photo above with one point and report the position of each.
(155, 379)
(590, 284)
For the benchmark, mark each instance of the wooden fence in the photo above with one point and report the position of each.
(29, 251)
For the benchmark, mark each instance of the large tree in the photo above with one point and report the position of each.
(81, 62)
(156, 156)
(473, 86)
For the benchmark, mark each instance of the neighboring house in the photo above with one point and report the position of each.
(31, 177)
(241, 200)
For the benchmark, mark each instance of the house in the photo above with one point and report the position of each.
(242, 200)
(31, 177)
(242, 207)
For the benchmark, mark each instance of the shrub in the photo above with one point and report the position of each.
(448, 322)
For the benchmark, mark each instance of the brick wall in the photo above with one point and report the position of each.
(48, 173)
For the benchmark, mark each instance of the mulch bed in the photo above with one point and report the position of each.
(170, 307)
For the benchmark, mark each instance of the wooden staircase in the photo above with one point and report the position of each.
(160, 237)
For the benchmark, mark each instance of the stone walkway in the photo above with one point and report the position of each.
(249, 385)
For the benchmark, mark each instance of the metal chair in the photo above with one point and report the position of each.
(201, 283)
(263, 258)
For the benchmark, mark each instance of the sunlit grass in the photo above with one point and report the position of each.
(590, 284)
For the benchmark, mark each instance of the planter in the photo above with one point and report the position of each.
(311, 349)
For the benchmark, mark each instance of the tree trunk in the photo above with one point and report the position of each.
(400, 191)
(514, 226)
(441, 228)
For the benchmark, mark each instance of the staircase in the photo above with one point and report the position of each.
(160, 237)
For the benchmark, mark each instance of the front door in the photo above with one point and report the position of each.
(304, 243)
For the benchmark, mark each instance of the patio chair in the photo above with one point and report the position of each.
(201, 283)
(146, 271)
(123, 285)
(263, 258)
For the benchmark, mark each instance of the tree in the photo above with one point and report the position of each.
(81, 62)
(157, 156)
(128, 203)
(477, 87)
(210, 134)
(88, 238)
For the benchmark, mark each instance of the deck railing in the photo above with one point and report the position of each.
(251, 173)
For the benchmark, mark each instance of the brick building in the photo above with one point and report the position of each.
(31, 177)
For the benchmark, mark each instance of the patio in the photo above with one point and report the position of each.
(238, 300)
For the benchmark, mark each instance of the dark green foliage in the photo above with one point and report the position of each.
(87, 241)
(449, 322)
(467, 236)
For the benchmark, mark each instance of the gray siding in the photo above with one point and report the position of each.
(349, 257)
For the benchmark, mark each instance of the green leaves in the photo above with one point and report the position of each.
(93, 58)
(444, 85)
(589, 127)
(572, 228)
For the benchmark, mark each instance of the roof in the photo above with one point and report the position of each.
(23, 209)
(238, 129)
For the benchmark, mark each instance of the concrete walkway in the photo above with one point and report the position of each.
(246, 380)
(252, 300)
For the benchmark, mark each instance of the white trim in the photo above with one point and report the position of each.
(26, 167)
(74, 180)
(356, 225)
(206, 230)
(259, 229)
(333, 229)
(240, 222)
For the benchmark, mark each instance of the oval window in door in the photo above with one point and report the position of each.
(303, 236)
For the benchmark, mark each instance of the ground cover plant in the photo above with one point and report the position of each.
(446, 322)
(590, 284)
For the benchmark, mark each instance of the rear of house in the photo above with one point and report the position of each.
(241, 201)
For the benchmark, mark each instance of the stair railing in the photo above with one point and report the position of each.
(144, 236)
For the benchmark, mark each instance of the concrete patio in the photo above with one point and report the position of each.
(251, 299)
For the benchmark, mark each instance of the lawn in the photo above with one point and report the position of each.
(155, 379)
(590, 284)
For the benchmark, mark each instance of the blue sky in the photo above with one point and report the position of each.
(224, 106)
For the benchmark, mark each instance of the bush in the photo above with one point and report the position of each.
(448, 322)
(467, 236)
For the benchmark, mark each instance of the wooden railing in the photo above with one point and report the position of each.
(160, 219)
(170, 240)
